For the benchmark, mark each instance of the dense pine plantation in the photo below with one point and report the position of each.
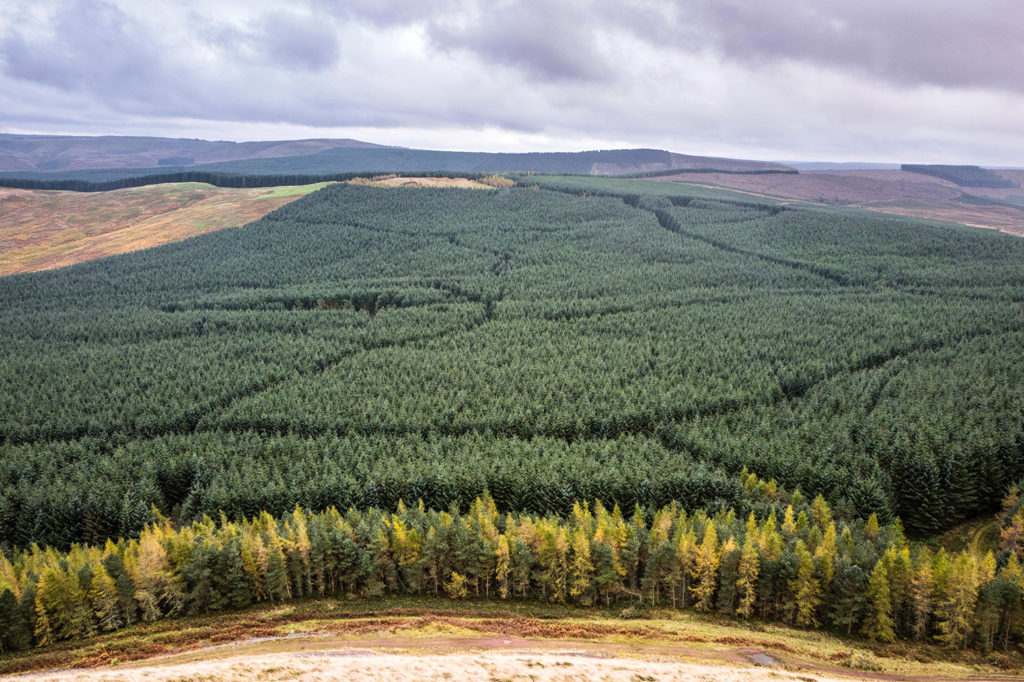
(580, 339)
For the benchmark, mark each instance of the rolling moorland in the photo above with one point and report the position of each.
(507, 359)
(68, 153)
(44, 229)
(999, 205)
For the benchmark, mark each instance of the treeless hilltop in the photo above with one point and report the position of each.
(887, 191)
(40, 230)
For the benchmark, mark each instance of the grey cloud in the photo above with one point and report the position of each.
(938, 42)
(547, 40)
(95, 46)
(933, 42)
(299, 41)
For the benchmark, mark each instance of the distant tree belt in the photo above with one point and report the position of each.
(804, 568)
(965, 176)
(573, 338)
(212, 178)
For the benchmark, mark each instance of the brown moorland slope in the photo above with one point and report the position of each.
(40, 229)
(889, 191)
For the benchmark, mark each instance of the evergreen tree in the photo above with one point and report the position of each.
(727, 578)
(14, 629)
(848, 595)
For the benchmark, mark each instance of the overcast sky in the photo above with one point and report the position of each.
(836, 80)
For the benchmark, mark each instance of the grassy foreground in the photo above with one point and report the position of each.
(429, 626)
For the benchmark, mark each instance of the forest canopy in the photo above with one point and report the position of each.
(571, 339)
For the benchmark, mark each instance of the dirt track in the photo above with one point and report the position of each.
(364, 664)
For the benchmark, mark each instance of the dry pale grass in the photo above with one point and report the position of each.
(40, 230)
(356, 665)
(402, 181)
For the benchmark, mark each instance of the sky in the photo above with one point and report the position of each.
(938, 81)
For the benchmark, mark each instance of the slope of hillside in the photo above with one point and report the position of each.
(890, 191)
(69, 153)
(40, 230)
(62, 159)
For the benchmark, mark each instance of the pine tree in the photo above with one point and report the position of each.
(848, 595)
(878, 623)
(278, 586)
(705, 569)
(805, 588)
(728, 574)
(14, 632)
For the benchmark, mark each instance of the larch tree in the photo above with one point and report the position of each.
(955, 613)
(878, 622)
(503, 566)
(922, 594)
(103, 596)
(805, 588)
(746, 580)
(705, 569)
(581, 572)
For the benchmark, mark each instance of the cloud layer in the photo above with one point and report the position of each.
(914, 80)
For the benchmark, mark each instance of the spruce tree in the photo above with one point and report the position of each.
(848, 595)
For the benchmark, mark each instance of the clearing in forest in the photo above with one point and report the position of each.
(41, 230)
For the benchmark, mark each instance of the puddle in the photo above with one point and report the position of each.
(761, 658)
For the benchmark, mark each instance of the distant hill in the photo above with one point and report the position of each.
(33, 156)
(70, 153)
(965, 176)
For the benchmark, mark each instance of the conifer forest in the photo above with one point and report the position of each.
(585, 390)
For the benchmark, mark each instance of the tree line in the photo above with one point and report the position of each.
(802, 567)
